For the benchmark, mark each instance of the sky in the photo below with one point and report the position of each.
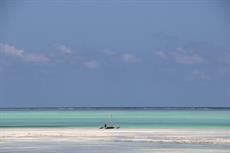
(114, 53)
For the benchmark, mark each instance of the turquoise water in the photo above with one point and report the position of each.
(123, 118)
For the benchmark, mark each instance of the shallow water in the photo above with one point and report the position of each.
(126, 118)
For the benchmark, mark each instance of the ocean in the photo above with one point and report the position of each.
(88, 117)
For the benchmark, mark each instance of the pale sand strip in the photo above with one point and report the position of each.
(183, 136)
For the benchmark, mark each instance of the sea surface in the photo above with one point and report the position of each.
(135, 117)
(198, 118)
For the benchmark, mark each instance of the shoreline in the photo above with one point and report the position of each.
(177, 136)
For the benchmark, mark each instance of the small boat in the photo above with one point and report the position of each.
(110, 125)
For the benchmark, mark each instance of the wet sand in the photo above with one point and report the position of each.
(131, 140)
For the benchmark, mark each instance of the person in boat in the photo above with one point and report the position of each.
(110, 126)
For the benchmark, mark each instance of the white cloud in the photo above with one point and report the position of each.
(199, 75)
(12, 51)
(93, 64)
(119, 56)
(36, 58)
(182, 56)
(161, 54)
(130, 58)
(64, 49)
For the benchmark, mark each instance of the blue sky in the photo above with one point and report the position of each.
(114, 53)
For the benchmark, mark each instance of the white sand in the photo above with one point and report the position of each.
(181, 136)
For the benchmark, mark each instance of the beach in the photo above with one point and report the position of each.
(125, 140)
